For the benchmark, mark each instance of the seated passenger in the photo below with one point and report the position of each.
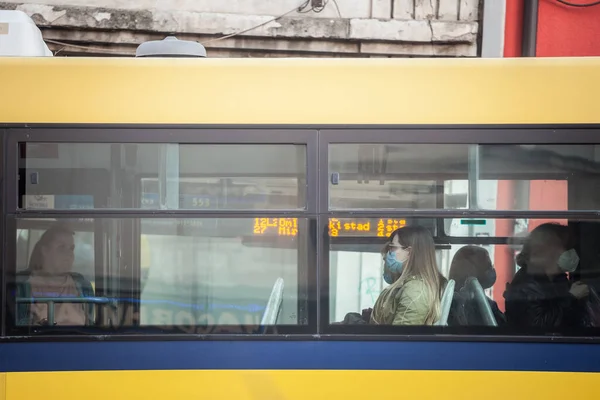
(472, 261)
(49, 275)
(540, 295)
(416, 285)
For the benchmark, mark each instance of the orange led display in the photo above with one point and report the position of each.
(276, 226)
(380, 227)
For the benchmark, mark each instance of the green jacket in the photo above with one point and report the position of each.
(409, 305)
(84, 288)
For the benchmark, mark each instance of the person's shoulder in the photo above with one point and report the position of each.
(413, 281)
(521, 275)
(80, 280)
(523, 286)
(77, 276)
(413, 286)
(522, 279)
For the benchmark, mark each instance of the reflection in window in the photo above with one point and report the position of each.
(187, 273)
(162, 176)
(216, 275)
(492, 177)
(393, 176)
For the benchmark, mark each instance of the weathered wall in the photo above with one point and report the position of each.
(364, 28)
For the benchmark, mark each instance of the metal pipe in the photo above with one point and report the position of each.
(494, 20)
(62, 300)
(530, 25)
(51, 313)
(473, 175)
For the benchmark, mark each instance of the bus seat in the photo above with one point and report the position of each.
(273, 304)
(474, 292)
(446, 303)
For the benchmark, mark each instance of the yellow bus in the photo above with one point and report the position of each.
(218, 220)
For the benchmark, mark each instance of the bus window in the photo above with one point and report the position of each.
(391, 176)
(162, 176)
(486, 177)
(213, 277)
(196, 274)
(357, 273)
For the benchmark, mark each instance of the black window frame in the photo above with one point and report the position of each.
(467, 135)
(318, 138)
(3, 250)
(306, 137)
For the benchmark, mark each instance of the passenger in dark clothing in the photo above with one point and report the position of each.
(472, 261)
(540, 295)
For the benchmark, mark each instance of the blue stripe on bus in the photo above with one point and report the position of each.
(367, 355)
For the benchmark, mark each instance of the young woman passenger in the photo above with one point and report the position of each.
(541, 295)
(49, 275)
(416, 285)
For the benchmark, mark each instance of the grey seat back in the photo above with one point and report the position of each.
(273, 304)
(476, 294)
(446, 303)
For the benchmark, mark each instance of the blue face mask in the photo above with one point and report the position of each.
(488, 279)
(392, 266)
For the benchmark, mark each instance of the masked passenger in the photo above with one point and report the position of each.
(416, 285)
(540, 295)
(472, 261)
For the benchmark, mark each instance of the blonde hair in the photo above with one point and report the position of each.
(36, 261)
(421, 264)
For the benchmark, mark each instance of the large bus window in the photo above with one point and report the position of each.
(195, 274)
(162, 176)
(541, 278)
(489, 177)
(221, 271)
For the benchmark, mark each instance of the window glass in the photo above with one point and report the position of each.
(389, 176)
(162, 176)
(30, 233)
(186, 275)
(490, 177)
(517, 260)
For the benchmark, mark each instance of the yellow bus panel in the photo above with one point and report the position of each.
(301, 385)
(299, 91)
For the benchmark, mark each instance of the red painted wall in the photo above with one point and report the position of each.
(513, 28)
(565, 31)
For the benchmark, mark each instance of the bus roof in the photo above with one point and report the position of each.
(311, 92)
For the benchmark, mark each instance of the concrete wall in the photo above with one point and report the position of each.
(351, 28)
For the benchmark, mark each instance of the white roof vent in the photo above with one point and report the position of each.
(170, 47)
(20, 37)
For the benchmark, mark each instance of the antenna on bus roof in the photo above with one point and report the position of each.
(170, 47)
